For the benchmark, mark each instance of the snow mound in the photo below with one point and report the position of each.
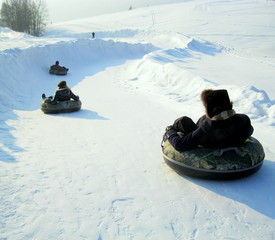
(123, 33)
(161, 71)
(30, 66)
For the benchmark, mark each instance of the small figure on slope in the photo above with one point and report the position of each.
(58, 70)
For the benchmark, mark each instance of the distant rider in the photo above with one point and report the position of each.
(56, 66)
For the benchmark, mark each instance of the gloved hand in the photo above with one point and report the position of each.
(177, 124)
(164, 137)
(167, 130)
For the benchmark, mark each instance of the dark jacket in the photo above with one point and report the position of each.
(64, 94)
(230, 132)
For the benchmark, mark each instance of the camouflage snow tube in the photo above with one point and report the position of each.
(227, 163)
(61, 107)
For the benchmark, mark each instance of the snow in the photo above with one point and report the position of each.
(98, 173)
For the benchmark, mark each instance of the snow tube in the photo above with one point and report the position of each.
(58, 71)
(61, 107)
(209, 163)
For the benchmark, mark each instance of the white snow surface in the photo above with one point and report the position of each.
(99, 173)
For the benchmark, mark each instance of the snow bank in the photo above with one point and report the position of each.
(123, 33)
(161, 72)
(24, 71)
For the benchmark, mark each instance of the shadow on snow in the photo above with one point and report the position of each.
(7, 142)
(82, 114)
(256, 191)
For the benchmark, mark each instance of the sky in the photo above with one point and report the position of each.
(62, 10)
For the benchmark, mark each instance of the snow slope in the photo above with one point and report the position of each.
(98, 173)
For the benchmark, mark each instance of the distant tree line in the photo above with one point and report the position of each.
(28, 16)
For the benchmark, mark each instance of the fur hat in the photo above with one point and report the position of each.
(62, 84)
(215, 101)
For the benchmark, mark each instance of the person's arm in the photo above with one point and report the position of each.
(201, 119)
(55, 99)
(74, 97)
(185, 142)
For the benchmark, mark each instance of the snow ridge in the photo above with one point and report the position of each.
(30, 66)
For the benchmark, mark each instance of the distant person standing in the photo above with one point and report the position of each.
(93, 35)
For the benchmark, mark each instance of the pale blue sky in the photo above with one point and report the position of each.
(63, 10)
